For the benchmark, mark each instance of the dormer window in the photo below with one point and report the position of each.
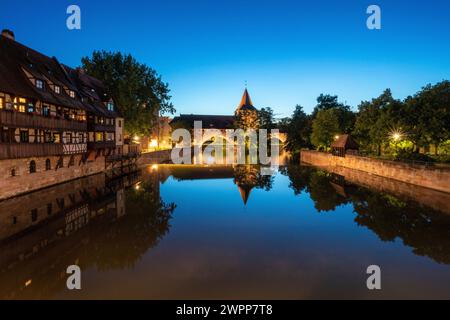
(110, 106)
(72, 94)
(39, 84)
(58, 89)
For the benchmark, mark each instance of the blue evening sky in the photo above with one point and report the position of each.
(288, 51)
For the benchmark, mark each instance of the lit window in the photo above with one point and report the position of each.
(58, 89)
(110, 106)
(99, 136)
(1, 103)
(20, 104)
(57, 138)
(72, 94)
(39, 84)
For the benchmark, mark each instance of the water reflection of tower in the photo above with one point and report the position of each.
(246, 178)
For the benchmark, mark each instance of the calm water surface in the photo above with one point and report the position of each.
(187, 232)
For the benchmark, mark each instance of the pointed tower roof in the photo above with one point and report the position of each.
(246, 102)
(245, 192)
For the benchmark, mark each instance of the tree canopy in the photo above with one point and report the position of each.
(298, 129)
(137, 89)
(325, 127)
(383, 125)
(266, 118)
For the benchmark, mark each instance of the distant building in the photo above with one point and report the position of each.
(245, 114)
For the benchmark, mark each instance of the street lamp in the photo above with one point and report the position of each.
(396, 136)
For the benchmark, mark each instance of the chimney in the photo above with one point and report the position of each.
(8, 34)
(80, 70)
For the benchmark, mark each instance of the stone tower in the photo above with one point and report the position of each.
(246, 114)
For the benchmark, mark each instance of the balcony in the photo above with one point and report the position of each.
(75, 148)
(28, 150)
(25, 120)
(101, 145)
(97, 127)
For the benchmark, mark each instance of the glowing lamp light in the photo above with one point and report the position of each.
(396, 136)
(136, 138)
(336, 137)
(153, 143)
(154, 167)
(28, 283)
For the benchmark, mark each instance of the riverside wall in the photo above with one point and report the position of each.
(436, 178)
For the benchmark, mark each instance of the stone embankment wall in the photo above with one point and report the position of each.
(16, 179)
(434, 199)
(437, 178)
(155, 157)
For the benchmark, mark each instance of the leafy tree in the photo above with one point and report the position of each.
(428, 115)
(266, 118)
(325, 102)
(345, 116)
(298, 129)
(136, 88)
(377, 119)
(325, 127)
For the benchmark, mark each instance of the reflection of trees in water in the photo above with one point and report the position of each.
(250, 175)
(426, 230)
(317, 184)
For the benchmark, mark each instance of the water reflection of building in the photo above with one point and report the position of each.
(245, 177)
(91, 221)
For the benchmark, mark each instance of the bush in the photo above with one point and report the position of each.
(402, 155)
